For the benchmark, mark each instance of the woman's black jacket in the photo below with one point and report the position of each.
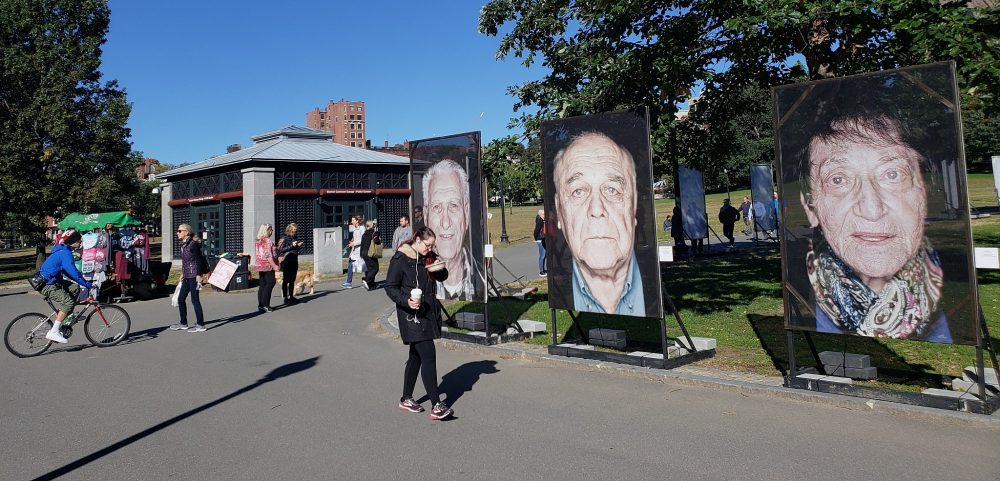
(407, 270)
(366, 241)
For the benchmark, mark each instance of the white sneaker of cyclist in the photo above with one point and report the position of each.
(55, 335)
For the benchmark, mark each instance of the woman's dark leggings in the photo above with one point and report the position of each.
(371, 270)
(423, 359)
(265, 288)
(289, 269)
(190, 286)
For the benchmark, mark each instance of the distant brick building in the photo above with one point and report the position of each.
(345, 118)
(147, 169)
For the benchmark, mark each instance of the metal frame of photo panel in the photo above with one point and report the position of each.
(946, 190)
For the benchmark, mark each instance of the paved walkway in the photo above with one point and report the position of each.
(309, 392)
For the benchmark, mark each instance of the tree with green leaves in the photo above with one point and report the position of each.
(509, 164)
(65, 145)
(609, 55)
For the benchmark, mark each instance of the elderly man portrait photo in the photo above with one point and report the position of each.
(446, 212)
(595, 195)
(876, 245)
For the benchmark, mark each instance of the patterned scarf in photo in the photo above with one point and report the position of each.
(904, 310)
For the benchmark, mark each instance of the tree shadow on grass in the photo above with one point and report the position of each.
(723, 283)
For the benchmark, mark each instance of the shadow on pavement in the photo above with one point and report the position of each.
(461, 380)
(229, 320)
(274, 375)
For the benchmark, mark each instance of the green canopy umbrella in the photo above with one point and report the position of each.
(86, 222)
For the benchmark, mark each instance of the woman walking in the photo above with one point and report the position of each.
(193, 266)
(288, 259)
(413, 289)
(371, 264)
(357, 230)
(265, 264)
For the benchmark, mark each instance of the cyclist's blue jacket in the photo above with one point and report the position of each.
(60, 262)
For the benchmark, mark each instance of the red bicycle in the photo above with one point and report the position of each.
(104, 325)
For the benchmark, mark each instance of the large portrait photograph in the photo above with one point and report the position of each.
(600, 224)
(447, 197)
(876, 236)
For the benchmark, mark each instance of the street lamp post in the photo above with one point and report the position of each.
(725, 173)
(503, 212)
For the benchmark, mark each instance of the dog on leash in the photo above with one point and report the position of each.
(303, 281)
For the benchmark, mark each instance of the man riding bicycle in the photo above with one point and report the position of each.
(58, 290)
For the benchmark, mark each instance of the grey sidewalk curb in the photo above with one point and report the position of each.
(749, 389)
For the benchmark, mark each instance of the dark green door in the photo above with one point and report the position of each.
(209, 228)
(338, 214)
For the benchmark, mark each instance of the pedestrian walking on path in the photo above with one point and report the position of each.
(747, 218)
(266, 263)
(288, 259)
(413, 289)
(728, 215)
(369, 238)
(193, 266)
(357, 230)
(539, 235)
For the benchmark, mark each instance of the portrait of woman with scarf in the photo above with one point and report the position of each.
(877, 245)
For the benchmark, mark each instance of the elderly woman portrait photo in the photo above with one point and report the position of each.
(876, 237)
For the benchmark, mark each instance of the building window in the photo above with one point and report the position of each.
(359, 118)
(352, 144)
(352, 108)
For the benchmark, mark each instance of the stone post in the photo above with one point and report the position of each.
(258, 202)
(328, 256)
(167, 235)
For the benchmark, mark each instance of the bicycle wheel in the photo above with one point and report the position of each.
(107, 325)
(25, 335)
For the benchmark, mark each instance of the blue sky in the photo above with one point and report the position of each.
(203, 75)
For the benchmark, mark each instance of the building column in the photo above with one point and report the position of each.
(167, 235)
(258, 202)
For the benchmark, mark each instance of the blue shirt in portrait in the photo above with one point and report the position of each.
(631, 302)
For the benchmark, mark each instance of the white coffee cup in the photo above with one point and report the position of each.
(416, 294)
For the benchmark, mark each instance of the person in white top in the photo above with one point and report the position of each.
(357, 229)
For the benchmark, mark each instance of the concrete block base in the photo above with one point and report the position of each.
(700, 343)
(969, 374)
(532, 326)
(850, 360)
(852, 372)
(820, 377)
(948, 394)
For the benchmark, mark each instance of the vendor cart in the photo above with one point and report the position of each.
(115, 253)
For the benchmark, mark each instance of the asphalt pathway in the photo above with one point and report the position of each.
(309, 392)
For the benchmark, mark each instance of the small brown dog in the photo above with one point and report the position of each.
(303, 281)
